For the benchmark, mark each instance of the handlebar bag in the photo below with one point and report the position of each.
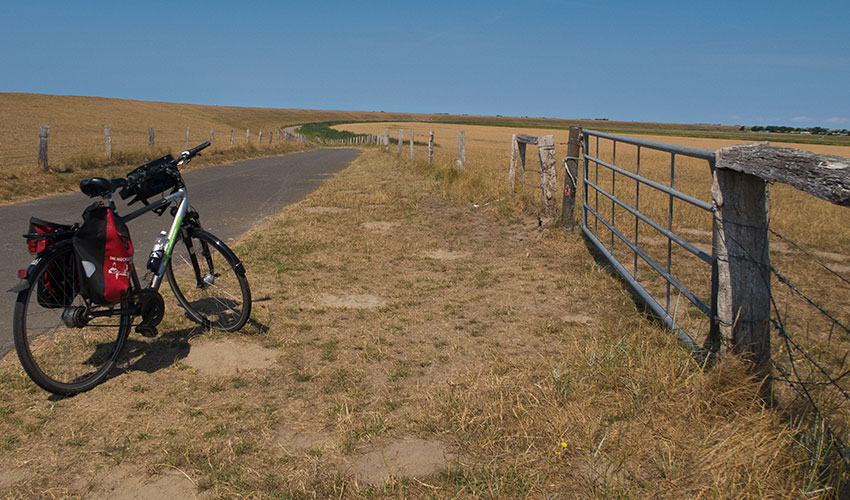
(150, 180)
(57, 286)
(104, 255)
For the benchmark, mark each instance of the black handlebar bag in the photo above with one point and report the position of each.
(104, 255)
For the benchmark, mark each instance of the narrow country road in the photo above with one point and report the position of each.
(230, 198)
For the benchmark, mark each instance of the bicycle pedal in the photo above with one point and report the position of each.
(147, 331)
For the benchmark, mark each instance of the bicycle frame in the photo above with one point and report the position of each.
(173, 233)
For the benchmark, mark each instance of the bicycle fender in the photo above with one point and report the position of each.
(238, 268)
(27, 282)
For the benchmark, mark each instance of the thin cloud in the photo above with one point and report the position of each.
(837, 119)
(802, 119)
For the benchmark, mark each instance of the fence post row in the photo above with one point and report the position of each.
(43, 136)
(548, 174)
(108, 137)
(461, 151)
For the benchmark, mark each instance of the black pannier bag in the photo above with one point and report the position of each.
(149, 180)
(57, 286)
(104, 255)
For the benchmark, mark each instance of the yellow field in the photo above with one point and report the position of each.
(817, 226)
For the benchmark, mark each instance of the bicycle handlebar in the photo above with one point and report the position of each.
(197, 149)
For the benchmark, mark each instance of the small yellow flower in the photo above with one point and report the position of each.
(563, 444)
(557, 453)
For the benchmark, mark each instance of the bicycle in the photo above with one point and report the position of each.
(66, 343)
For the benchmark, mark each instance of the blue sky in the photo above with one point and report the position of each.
(729, 62)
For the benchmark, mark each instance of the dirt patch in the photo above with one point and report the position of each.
(838, 257)
(411, 457)
(352, 301)
(577, 319)
(381, 226)
(445, 255)
(228, 358)
(10, 477)
(128, 483)
(299, 440)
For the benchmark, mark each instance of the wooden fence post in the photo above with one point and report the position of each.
(387, 140)
(108, 137)
(212, 135)
(461, 151)
(260, 137)
(400, 140)
(150, 137)
(271, 136)
(411, 144)
(431, 147)
(548, 172)
(187, 137)
(743, 265)
(247, 136)
(514, 161)
(43, 136)
(571, 171)
(232, 132)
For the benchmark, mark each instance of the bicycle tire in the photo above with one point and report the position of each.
(60, 359)
(218, 295)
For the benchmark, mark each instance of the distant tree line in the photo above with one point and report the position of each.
(794, 130)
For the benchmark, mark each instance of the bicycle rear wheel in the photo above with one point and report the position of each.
(64, 359)
(209, 281)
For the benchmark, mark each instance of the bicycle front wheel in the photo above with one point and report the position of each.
(60, 351)
(209, 281)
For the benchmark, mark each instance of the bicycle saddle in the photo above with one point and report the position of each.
(101, 186)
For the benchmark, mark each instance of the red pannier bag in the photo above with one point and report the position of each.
(104, 255)
(57, 286)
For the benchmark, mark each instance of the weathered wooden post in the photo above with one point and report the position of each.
(187, 137)
(150, 137)
(571, 171)
(739, 197)
(400, 140)
(743, 265)
(548, 172)
(411, 144)
(108, 137)
(232, 132)
(461, 151)
(387, 140)
(247, 136)
(271, 136)
(514, 160)
(212, 135)
(519, 142)
(43, 136)
(431, 147)
(260, 138)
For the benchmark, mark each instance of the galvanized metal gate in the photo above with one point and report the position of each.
(608, 215)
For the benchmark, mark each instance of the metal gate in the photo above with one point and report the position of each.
(645, 238)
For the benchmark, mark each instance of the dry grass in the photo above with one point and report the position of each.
(468, 326)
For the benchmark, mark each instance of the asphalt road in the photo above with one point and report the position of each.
(230, 199)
